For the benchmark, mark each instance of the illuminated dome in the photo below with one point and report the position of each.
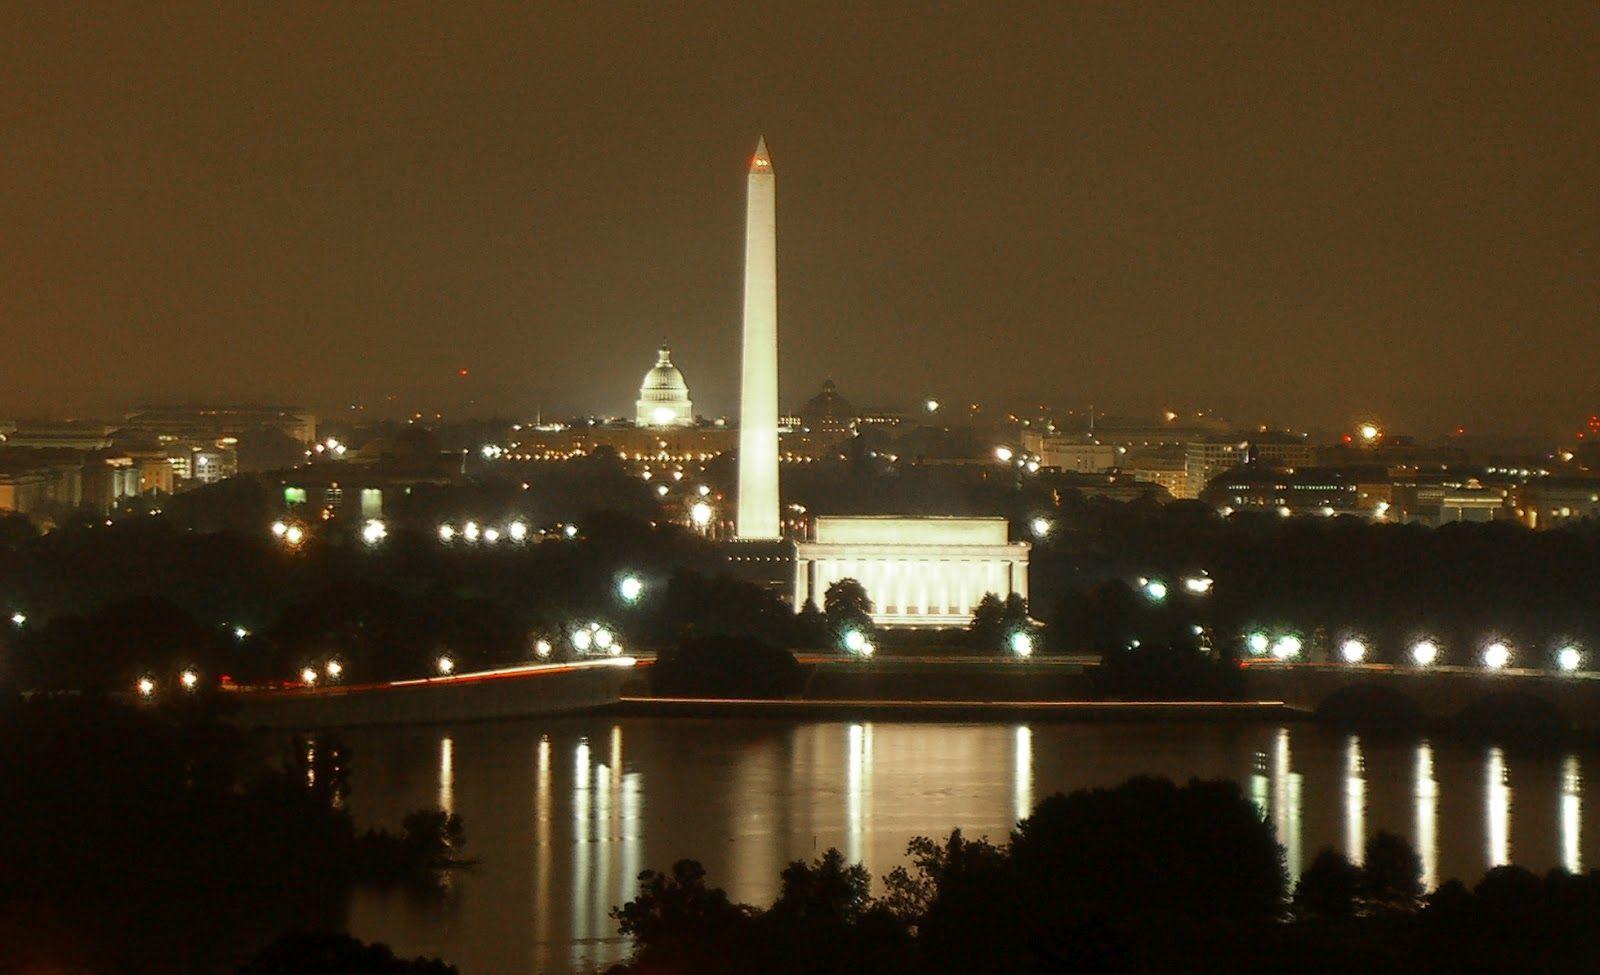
(664, 396)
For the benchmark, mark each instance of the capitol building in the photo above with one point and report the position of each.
(664, 396)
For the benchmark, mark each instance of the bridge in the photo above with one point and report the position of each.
(1441, 693)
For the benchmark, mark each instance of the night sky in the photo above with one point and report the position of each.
(1290, 215)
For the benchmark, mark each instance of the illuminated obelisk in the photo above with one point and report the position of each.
(758, 390)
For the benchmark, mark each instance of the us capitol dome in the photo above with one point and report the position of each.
(664, 396)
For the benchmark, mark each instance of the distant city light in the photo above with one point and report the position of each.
(1496, 655)
(334, 669)
(571, 531)
(469, 531)
(517, 530)
(294, 535)
(1424, 653)
(446, 532)
(1199, 585)
(1156, 590)
(1041, 527)
(603, 638)
(1569, 658)
(279, 529)
(542, 648)
(932, 406)
(491, 535)
(630, 588)
(239, 633)
(1022, 644)
(582, 640)
(1369, 432)
(700, 514)
(661, 490)
(308, 676)
(1353, 651)
(1287, 647)
(374, 532)
(1257, 642)
(445, 664)
(145, 686)
(703, 490)
(18, 618)
(855, 641)
(1003, 454)
(1033, 467)
(189, 679)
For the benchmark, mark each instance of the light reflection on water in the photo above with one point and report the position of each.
(562, 815)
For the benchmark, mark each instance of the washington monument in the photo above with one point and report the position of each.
(758, 390)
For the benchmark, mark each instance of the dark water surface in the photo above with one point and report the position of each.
(564, 813)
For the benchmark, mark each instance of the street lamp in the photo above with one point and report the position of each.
(582, 641)
(1040, 527)
(857, 643)
(1257, 642)
(1022, 644)
(189, 679)
(1155, 589)
(1496, 655)
(1353, 651)
(541, 649)
(1569, 658)
(374, 532)
(308, 676)
(145, 686)
(1287, 647)
(1424, 653)
(335, 669)
(1200, 585)
(445, 664)
(446, 532)
(518, 531)
(630, 589)
(18, 618)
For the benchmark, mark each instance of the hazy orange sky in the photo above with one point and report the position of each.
(1287, 213)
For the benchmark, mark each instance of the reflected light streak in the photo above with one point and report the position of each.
(1427, 794)
(1286, 804)
(1572, 814)
(1497, 798)
(858, 786)
(1355, 801)
(1022, 774)
(447, 775)
(581, 852)
(541, 830)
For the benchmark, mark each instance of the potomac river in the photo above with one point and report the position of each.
(563, 813)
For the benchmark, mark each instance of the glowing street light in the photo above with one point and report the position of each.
(469, 531)
(1424, 653)
(542, 648)
(145, 686)
(1022, 644)
(1155, 589)
(571, 531)
(445, 664)
(603, 638)
(1040, 527)
(446, 532)
(18, 618)
(700, 514)
(661, 490)
(279, 529)
(1353, 651)
(1287, 647)
(239, 633)
(1003, 454)
(374, 532)
(1369, 432)
(294, 535)
(1496, 655)
(189, 679)
(630, 589)
(1569, 658)
(491, 535)
(518, 531)
(582, 641)
(308, 676)
(1257, 642)
(857, 643)
(334, 669)
(1199, 585)
(932, 406)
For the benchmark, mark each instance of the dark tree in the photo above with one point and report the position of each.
(1328, 888)
(336, 954)
(1391, 874)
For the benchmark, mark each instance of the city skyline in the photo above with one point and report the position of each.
(1333, 223)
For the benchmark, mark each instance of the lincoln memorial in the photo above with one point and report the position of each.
(917, 571)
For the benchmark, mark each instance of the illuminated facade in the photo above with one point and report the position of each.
(664, 396)
(758, 384)
(917, 571)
